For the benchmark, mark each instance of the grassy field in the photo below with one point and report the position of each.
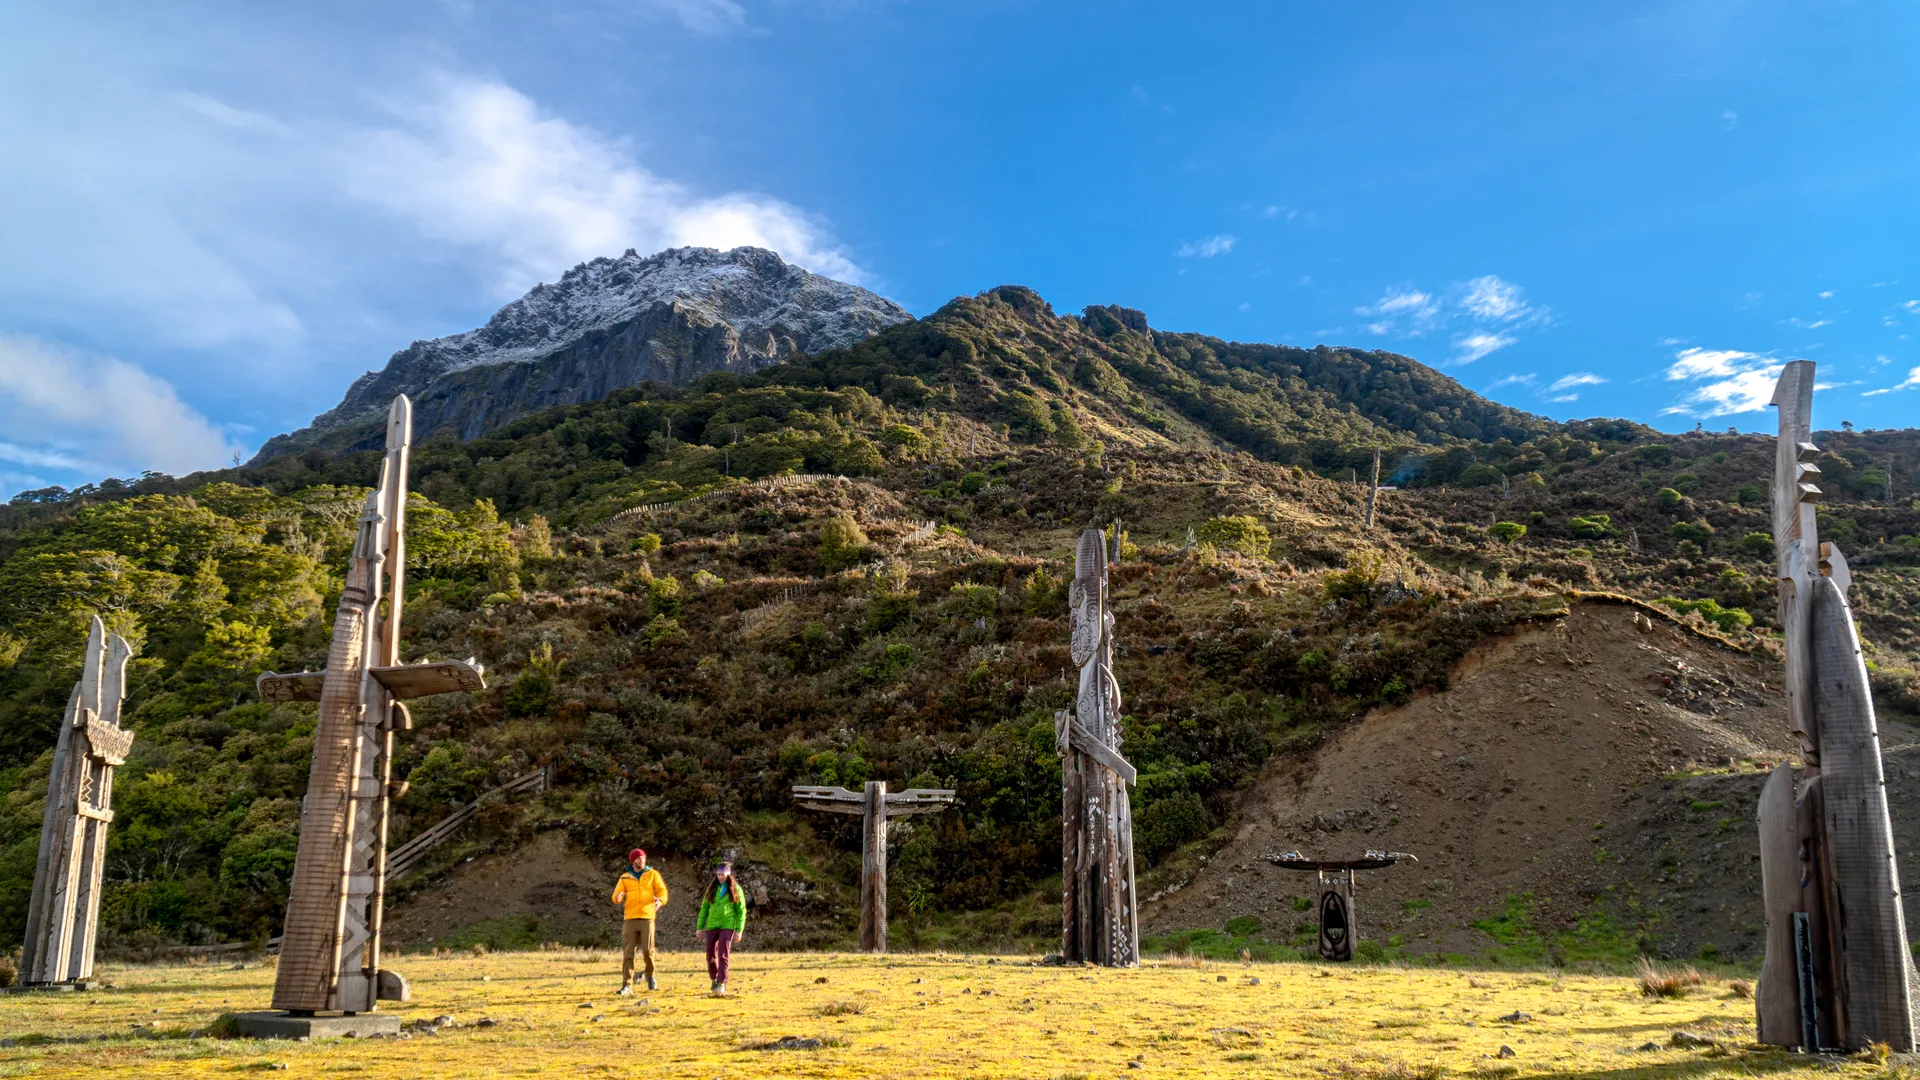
(920, 1016)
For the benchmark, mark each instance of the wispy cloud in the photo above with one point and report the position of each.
(480, 165)
(1564, 398)
(1474, 346)
(1729, 120)
(1809, 325)
(1912, 380)
(1730, 381)
(1511, 380)
(1493, 308)
(1208, 246)
(1578, 379)
(1495, 300)
(1826, 294)
(715, 18)
(66, 410)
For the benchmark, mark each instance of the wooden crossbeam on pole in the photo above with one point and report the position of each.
(876, 806)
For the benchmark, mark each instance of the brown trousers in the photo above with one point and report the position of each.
(635, 932)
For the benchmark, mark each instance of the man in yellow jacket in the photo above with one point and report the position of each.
(642, 892)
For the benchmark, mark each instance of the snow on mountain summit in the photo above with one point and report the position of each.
(611, 323)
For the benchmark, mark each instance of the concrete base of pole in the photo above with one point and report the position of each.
(68, 987)
(280, 1025)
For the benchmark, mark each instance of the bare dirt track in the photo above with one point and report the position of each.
(1551, 767)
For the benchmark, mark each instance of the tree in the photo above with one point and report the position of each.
(1236, 532)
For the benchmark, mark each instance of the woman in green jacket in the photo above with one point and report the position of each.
(723, 920)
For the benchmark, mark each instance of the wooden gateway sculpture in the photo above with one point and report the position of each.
(876, 807)
(1339, 932)
(65, 907)
(1100, 920)
(330, 950)
(1836, 972)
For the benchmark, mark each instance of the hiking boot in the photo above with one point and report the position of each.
(651, 985)
(720, 988)
(713, 987)
(626, 989)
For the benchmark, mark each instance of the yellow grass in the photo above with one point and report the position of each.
(915, 1016)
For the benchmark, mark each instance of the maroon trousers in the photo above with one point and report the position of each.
(719, 952)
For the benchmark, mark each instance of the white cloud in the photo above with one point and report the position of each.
(1569, 382)
(1666, 342)
(1511, 380)
(1729, 120)
(1378, 329)
(1805, 325)
(712, 17)
(1490, 298)
(1565, 397)
(1697, 363)
(1740, 382)
(1826, 294)
(480, 165)
(1912, 305)
(1912, 380)
(1474, 346)
(1208, 246)
(64, 410)
(1399, 301)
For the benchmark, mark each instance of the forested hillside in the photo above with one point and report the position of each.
(682, 668)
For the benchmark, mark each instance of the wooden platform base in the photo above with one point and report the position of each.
(280, 1025)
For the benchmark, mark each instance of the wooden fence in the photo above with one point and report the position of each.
(402, 858)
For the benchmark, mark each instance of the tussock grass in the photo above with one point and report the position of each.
(1656, 982)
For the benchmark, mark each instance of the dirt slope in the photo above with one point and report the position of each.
(560, 895)
(1497, 786)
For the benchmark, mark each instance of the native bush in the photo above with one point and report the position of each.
(1507, 531)
(1236, 532)
(1591, 526)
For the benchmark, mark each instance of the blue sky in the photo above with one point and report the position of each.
(213, 217)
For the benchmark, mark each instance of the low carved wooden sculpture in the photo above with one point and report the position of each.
(1100, 920)
(330, 950)
(876, 807)
(65, 906)
(1836, 967)
(1339, 930)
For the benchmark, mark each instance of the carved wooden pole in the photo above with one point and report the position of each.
(875, 807)
(1836, 973)
(330, 951)
(1373, 489)
(1098, 911)
(873, 870)
(1339, 927)
(63, 912)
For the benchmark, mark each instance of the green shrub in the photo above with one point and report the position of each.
(1727, 619)
(1758, 545)
(1480, 474)
(1591, 527)
(1236, 532)
(647, 543)
(1668, 499)
(1696, 531)
(664, 595)
(1654, 455)
(1686, 483)
(906, 439)
(1045, 595)
(1358, 580)
(974, 483)
(842, 542)
(1507, 531)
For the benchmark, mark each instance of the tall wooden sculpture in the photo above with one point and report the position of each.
(1100, 919)
(1836, 967)
(330, 950)
(65, 906)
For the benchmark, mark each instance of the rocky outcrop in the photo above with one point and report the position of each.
(610, 323)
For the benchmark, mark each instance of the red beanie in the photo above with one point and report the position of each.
(636, 855)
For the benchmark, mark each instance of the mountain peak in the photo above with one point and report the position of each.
(669, 317)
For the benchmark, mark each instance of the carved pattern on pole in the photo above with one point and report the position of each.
(1100, 919)
(63, 912)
